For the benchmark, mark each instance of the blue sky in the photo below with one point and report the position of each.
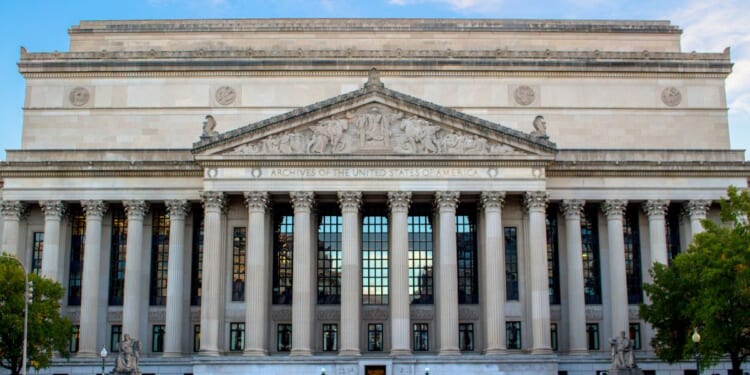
(41, 26)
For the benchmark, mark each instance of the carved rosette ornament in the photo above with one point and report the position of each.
(492, 199)
(257, 200)
(135, 208)
(52, 208)
(399, 200)
(213, 200)
(79, 96)
(12, 209)
(225, 95)
(698, 208)
(671, 96)
(656, 207)
(94, 208)
(302, 200)
(614, 208)
(536, 200)
(524, 95)
(447, 200)
(572, 208)
(350, 200)
(177, 208)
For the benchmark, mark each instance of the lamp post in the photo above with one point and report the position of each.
(426, 371)
(27, 294)
(696, 342)
(103, 354)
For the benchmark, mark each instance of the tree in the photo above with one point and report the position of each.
(48, 331)
(707, 287)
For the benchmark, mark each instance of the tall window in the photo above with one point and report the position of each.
(330, 337)
(553, 256)
(283, 230)
(633, 256)
(513, 335)
(374, 258)
(420, 256)
(592, 333)
(420, 337)
(37, 248)
(157, 338)
(466, 245)
(76, 258)
(635, 335)
(329, 256)
(115, 337)
(159, 256)
(375, 337)
(283, 337)
(672, 224)
(197, 338)
(117, 259)
(239, 244)
(592, 287)
(75, 338)
(196, 261)
(553, 336)
(466, 337)
(511, 263)
(236, 337)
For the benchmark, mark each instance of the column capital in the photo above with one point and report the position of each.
(536, 200)
(492, 199)
(12, 209)
(655, 207)
(302, 200)
(177, 208)
(399, 200)
(213, 199)
(615, 208)
(446, 200)
(52, 208)
(135, 208)
(94, 208)
(697, 207)
(257, 200)
(350, 200)
(572, 208)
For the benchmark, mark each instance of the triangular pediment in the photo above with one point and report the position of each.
(374, 121)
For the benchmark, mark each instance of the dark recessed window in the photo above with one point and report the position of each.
(513, 335)
(553, 256)
(635, 335)
(420, 337)
(592, 332)
(239, 244)
(511, 263)
(330, 337)
(37, 248)
(75, 271)
(159, 256)
(466, 247)
(115, 336)
(236, 337)
(375, 337)
(118, 247)
(420, 255)
(329, 255)
(283, 244)
(374, 258)
(632, 255)
(283, 337)
(592, 286)
(157, 338)
(196, 261)
(466, 337)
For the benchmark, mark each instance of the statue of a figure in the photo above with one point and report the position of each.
(128, 357)
(209, 127)
(622, 352)
(540, 128)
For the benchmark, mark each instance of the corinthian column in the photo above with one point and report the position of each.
(351, 287)
(211, 300)
(12, 212)
(258, 265)
(134, 271)
(656, 210)
(303, 289)
(697, 209)
(447, 304)
(399, 269)
(614, 210)
(53, 211)
(536, 203)
(493, 273)
(176, 296)
(91, 273)
(576, 301)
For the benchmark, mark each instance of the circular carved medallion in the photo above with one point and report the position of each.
(225, 95)
(524, 95)
(671, 96)
(79, 96)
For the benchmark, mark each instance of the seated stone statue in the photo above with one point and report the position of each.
(128, 357)
(622, 352)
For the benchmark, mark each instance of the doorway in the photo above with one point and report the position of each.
(375, 370)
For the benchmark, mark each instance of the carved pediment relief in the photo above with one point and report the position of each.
(374, 128)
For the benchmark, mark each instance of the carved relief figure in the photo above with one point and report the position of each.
(209, 127)
(540, 127)
(419, 135)
(328, 132)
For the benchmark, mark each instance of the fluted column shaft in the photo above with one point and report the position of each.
(618, 291)
(697, 209)
(447, 303)
(351, 285)
(656, 211)
(576, 302)
(493, 273)
(536, 203)
(12, 212)
(399, 268)
(135, 273)
(87, 345)
(211, 300)
(53, 211)
(303, 289)
(258, 265)
(176, 296)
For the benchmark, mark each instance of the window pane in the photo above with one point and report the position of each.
(236, 337)
(466, 337)
(592, 330)
(117, 259)
(375, 337)
(75, 271)
(196, 267)
(513, 335)
(374, 259)
(239, 245)
(284, 337)
(633, 255)
(553, 256)
(75, 338)
(37, 248)
(466, 245)
(592, 287)
(420, 340)
(330, 338)
(635, 335)
(672, 226)
(159, 256)
(197, 338)
(157, 339)
(115, 338)
(420, 256)
(283, 244)
(329, 256)
(511, 264)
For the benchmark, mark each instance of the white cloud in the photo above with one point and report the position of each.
(464, 6)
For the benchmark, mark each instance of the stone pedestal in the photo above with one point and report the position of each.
(626, 371)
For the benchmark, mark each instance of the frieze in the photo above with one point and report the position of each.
(633, 313)
(157, 315)
(328, 315)
(593, 313)
(282, 315)
(421, 314)
(114, 316)
(375, 314)
(468, 313)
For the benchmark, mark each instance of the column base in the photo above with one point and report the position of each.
(349, 353)
(209, 353)
(172, 354)
(255, 353)
(495, 351)
(578, 352)
(300, 353)
(541, 351)
(449, 351)
(400, 352)
(81, 354)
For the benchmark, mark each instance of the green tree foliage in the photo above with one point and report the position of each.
(706, 287)
(49, 332)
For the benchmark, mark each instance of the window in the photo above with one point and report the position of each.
(283, 244)
(632, 256)
(75, 271)
(421, 337)
(159, 256)
(374, 258)
(466, 337)
(553, 256)
(115, 337)
(117, 259)
(553, 336)
(592, 332)
(672, 224)
(196, 338)
(37, 248)
(329, 256)
(75, 338)
(592, 287)
(635, 335)
(420, 256)
(513, 335)
(236, 337)
(375, 337)
(239, 246)
(196, 264)
(284, 337)
(511, 264)
(157, 338)
(466, 246)
(330, 338)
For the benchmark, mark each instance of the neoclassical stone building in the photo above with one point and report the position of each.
(364, 196)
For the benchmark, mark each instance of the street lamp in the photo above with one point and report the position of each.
(426, 371)
(322, 371)
(696, 341)
(103, 354)
(27, 295)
